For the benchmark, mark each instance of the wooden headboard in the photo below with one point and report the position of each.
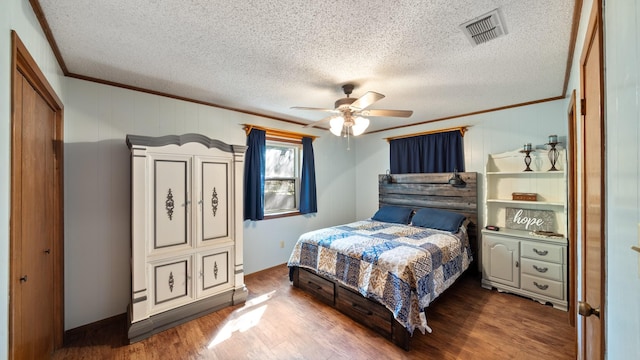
(433, 191)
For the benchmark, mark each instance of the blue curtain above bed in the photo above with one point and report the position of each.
(255, 161)
(431, 153)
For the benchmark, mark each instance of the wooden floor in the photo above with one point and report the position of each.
(281, 322)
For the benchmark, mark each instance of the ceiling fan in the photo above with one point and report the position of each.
(351, 111)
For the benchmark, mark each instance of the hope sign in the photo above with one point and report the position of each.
(529, 219)
(526, 221)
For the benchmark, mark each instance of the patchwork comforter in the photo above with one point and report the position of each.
(403, 267)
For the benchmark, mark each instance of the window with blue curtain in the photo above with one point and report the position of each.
(272, 194)
(430, 153)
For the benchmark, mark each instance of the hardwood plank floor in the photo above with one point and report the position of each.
(282, 322)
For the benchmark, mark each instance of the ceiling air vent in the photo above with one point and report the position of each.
(484, 28)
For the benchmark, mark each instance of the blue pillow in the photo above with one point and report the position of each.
(393, 214)
(438, 219)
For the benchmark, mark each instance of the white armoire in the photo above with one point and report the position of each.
(186, 230)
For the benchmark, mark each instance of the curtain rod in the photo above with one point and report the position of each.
(462, 130)
(278, 132)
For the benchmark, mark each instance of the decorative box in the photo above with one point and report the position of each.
(524, 196)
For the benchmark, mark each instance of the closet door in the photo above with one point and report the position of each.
(213, 183)
(170, 187)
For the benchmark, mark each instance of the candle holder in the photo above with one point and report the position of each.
(553, 155)
(527, 158)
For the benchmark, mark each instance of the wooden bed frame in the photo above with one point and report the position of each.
(407, 190)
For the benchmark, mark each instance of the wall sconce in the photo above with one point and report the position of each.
(456, 180)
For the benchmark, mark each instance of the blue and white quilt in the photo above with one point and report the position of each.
(403, 267)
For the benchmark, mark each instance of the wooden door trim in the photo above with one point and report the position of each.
(23, 64)
(594, 28)
(572, 116)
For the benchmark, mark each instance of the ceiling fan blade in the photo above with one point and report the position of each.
(312, 108)
(366, 100)
(389, 113)
(320, 122)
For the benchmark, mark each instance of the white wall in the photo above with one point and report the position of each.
(492, 132)
(622, 131)
(16, 15)
(98, 117)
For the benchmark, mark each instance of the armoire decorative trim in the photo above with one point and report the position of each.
(139, 140)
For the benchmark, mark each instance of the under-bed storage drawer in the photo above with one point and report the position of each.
(365, 311)
(322, 288)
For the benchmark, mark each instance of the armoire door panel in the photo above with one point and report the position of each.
(171, 281)
(214, 210)
(214, 271)
(171, 202)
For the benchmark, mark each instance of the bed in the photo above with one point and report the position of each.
(386, 270)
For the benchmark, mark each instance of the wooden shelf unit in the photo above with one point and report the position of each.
(519, 261)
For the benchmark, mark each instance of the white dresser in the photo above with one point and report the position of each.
(521, 261)
(186, 230)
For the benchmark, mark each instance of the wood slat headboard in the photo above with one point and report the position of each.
(433, 191)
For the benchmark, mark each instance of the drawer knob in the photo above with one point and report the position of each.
(540, 252)
(541, 287)
(541, 269)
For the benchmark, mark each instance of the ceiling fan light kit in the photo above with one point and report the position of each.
(336, 123)
(351, 112)
(353, 126)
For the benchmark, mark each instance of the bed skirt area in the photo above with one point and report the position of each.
(366, 311)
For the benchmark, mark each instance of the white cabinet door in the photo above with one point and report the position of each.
(213, 182)
(215, 271)
(500, 260)
(170, 186)
(171, 282)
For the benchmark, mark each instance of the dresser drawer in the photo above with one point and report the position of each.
(544, 252)
(321, 288)
(364, 311)
(542, 286)
(542, 269)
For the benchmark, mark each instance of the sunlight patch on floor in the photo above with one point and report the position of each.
(242, 319)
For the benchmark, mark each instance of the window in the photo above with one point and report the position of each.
(279, 174)
(282, 177)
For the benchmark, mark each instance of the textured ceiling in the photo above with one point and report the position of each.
(266, 56)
